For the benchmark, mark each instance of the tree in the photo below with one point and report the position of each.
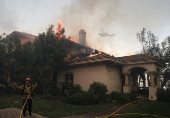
(149, 43)
(166, 78)
(38, 60)
(2, 59)
(49, 50)
(151, 47)
(141, 37)
(13, 58)
(166, 58)
(27, 61)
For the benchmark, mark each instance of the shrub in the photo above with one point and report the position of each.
(54, 91)
(18, 91)
(66, 84)
(74, 89)
(119, 97)
(65, 87)
(71, 89)
(122, 97)
(87, 98)
(47, 96)
(39, 89)
(98, 88)
(163, 95)
(131, 97)
(95, 95)
(2, 90)
(3, 81)
(82, 98)
(9, 90)
(6, 90)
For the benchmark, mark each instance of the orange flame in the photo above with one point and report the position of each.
(59, 22)
(68, 57)
(128, 54)
(90, 53)
(77, 57)
(71, 38)
(59, 28)
(99, 52)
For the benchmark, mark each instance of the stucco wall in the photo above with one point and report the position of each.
(87, 74)
(114, 79)
(150, 67)
(84, 74)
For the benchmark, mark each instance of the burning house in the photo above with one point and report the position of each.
(85, 65)
(119, 74)
(24, 37)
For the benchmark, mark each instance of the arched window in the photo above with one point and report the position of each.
(69, 78)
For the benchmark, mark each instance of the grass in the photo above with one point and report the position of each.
(50, 109)
(55, 109)
(149, 107)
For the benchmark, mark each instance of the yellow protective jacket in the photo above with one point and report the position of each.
(26, 90)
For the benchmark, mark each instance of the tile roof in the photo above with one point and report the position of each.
(98, 56)
(120, 60)
(24, 37)
(77, 45)
(138, 57)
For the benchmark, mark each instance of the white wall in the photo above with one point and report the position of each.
(88, 73)
(114, 79)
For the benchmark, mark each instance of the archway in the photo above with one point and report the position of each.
(140, 80)
(142, 69)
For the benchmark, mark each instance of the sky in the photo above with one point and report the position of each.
(123, 17)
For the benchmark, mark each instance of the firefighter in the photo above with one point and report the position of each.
(26, 89)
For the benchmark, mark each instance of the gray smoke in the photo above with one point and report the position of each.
(8, 19)
(125, 18)
(90, 15)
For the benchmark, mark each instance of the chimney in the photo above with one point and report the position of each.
(82, 37)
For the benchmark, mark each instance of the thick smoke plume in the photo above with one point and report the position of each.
(91, 15)
(125, 18)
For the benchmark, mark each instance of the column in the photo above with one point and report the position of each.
(152, 87)
(126, 87)
(158, 81)
(152, 83)
(126, 80)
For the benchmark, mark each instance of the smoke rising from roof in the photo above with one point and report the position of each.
(125, 18)
(90, 15)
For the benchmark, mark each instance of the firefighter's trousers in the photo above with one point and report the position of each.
(29, 103)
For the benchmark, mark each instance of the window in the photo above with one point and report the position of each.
(69, 78)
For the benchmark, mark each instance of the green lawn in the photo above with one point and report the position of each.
(149, 107)
(50, 109)
(56, 109)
